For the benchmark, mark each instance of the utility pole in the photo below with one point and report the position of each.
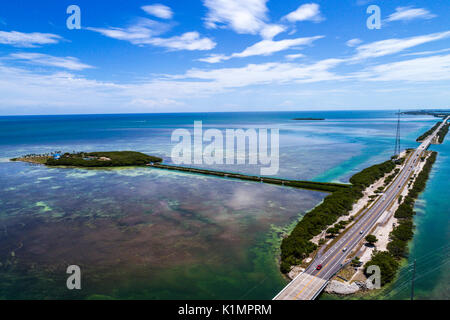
(412, 280)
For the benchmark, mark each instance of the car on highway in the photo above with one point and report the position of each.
(345, 249)
(319, 267)
(361, 232)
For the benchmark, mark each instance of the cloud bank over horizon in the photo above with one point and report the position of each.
(225, 55)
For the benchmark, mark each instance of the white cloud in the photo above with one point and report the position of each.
(28, 40)
(274, 72)
(37, 91)
(267, 47)
(353, 42)
(271, 30)
(34, 88)
(158, 10)
(137, 33)
(214, 58)
(306, 12)
(263, 48)
(25, 91)
(32, 91)
(155, 103)
(294, 56)
(187, 41)
(146, 32)
(426, 53)
(245, 17)
(435, 68)
(391, 46)
(409, 13)
(69, 63)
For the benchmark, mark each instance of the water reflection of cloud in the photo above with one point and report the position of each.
(245, 198)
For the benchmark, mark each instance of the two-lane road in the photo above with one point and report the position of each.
(308, 285)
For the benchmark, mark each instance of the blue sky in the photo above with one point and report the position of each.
(222, 55)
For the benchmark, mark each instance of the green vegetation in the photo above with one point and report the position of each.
(36, 158)
(356, 262)
(388, 266)
(371, 174)
(391, 177)
(389, 261)
(371, 239)
(310, 185)
(443, 132)
(435, 113)
(428, 132)
(319, 186)
(422, 178)
(103, 159)
(332, 231)
(440, 135)
(297, 245)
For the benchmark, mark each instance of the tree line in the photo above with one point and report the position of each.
(397, 248)
(91, 159)
(297, 246)
(428, 132)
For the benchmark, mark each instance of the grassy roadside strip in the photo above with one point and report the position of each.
(397, 249)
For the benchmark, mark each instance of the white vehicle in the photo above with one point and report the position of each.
(361, 232)
(345, 249)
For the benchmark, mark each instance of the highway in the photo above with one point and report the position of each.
(308, 284)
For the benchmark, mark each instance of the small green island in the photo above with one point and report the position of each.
(92, 159)
(308, 119)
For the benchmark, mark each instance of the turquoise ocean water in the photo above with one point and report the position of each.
(147, 233)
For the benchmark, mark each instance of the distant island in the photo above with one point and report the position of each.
(441, 113)
(92, 159)
(309, 119)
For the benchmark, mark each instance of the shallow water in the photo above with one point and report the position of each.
(154, 234)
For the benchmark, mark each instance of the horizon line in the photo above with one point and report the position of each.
(197, 112)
